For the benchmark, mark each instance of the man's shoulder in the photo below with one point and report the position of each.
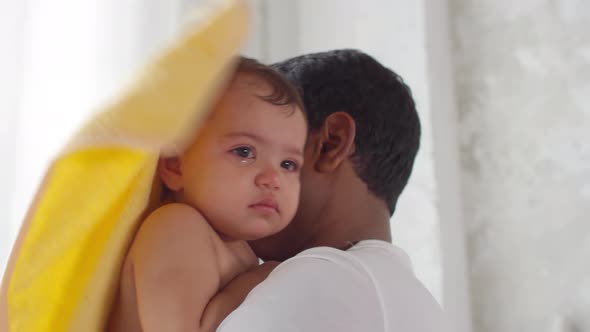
(372, 274)
(318, 290)
(368, 266)
(369, 287)
(360, 257)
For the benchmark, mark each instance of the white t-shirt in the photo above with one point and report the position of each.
(370, 287)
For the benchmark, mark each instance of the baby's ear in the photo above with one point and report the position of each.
(170, 172)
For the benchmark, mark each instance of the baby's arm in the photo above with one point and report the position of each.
(174, 269)
(228, 299)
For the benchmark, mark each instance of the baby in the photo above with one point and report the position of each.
(238, 181)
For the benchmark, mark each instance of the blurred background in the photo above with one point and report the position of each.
(496, 215)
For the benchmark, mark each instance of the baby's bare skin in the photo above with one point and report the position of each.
(189, 265)
(229, 259)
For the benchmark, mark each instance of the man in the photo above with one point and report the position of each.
(340, 270)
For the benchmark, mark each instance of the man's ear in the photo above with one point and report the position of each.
(170, 172)
(336, 141)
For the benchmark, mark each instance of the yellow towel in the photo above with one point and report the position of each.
(64, 267)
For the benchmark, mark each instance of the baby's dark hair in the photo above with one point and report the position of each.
(283, 91)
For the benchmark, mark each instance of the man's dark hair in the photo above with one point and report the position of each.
(387, 124)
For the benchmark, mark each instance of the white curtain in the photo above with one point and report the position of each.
(60, 60)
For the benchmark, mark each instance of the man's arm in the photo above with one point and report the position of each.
(175, 271)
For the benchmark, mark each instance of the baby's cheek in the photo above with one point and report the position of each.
(293, 201)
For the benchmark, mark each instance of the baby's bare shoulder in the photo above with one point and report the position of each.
(177, 214)
(175, 218)
(171, 228)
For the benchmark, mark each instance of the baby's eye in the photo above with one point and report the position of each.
(244, 152)
(290, 165)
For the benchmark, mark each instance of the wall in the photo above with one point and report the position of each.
(523, 86)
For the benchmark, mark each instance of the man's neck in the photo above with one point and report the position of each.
(351, 215)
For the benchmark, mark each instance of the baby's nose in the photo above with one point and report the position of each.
(268, 178)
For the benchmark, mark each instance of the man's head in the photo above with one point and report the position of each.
(242, 170)
(364, 136)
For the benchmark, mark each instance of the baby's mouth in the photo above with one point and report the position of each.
(267, 204)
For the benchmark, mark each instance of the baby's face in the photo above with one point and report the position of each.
(242, 171)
